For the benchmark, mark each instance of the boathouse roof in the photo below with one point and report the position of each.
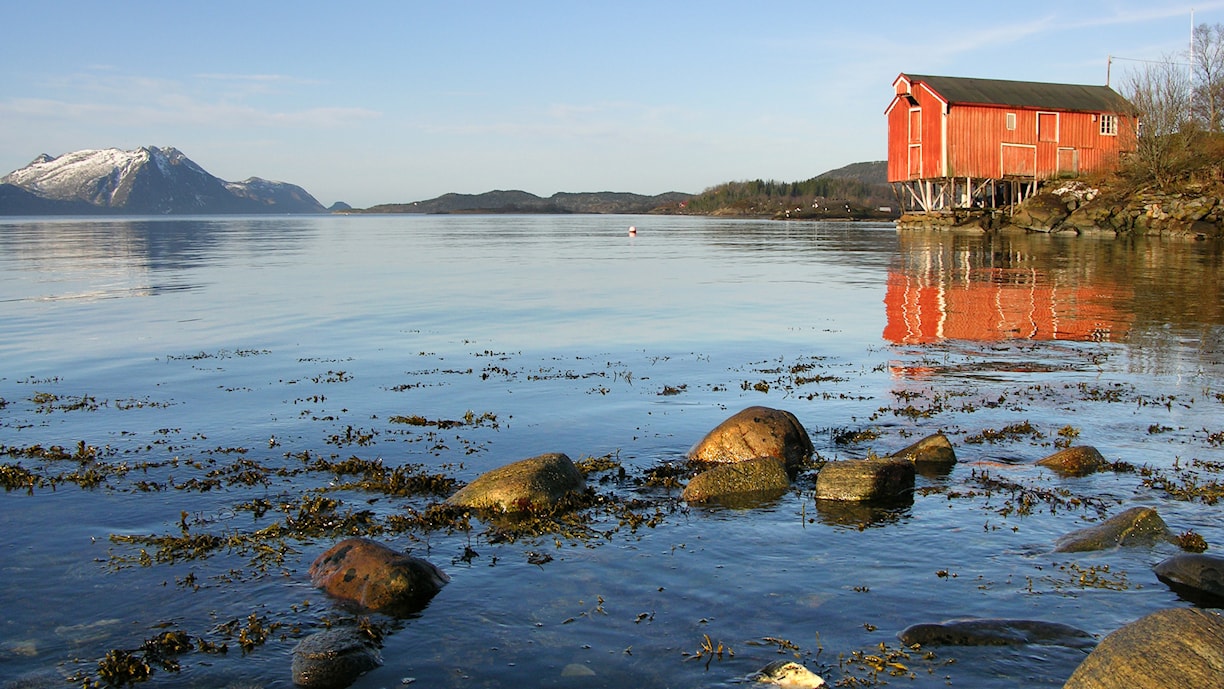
(1023, 94)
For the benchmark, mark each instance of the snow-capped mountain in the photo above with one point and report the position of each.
(147, 180)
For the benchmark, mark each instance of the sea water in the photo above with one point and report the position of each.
(197, 365)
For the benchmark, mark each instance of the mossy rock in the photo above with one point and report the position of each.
(878, 479)
(1137, 526)
(755, 479)
(536, 483)
(1176, 647)
(934, 451)
(1080, 460)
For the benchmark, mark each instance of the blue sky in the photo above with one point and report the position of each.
(394, 101)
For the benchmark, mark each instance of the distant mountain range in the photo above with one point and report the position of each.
(525, 202)
(147, 181)
(163, 181)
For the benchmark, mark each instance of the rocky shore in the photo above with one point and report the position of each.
(1192, 212)
(752, 457)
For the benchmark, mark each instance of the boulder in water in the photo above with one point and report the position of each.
(1175, 647)
(1195, 577)
(333, 658)
(540, 482)
(934, 452)
(878, 479)
(756, 432)
(1137, 526)
(376, 577)
(1080, 460)
(764, 477)
(995, 632)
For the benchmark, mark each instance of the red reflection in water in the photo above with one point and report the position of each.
(931, 303)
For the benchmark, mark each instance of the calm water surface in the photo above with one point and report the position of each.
(206, 361)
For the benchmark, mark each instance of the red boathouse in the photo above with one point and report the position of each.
(956, 142)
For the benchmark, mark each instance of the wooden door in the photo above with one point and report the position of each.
(1068, 162)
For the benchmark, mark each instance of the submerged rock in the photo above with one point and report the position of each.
(333, 659)
(756, 432)
(878, 479)
(789, 675)
(577, 670)
(535, 483)
(996, 632)
(1197, 578)
(1176, 647)
(934, 451)
(1138, 526)
(1080, 460)
(761, 478)
(376, 577)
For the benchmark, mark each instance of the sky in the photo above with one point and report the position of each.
(394, 101)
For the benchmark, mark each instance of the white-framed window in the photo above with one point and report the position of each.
(1011, 121)
(1109, 125)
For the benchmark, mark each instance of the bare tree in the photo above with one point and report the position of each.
(1207, 64)
(1167, 139)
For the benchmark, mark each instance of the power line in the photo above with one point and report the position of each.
(1150, 62)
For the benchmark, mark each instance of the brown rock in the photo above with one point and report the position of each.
(530, 484)
(756, 432)
(933, 450)
(1134, 527)
(376, 577)
(763, 476)
(1177, 647)
(875, 479)
(1080, 460)
(1042, 212)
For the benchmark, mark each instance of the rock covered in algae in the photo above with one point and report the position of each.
(333, 659)
(756, 432)
(538, 482)
(1080, 460)
(764, 476)
(995, 632)
(1175, 647)
(877, 479)
(377, 577)
(934, 451)
(1137, 526)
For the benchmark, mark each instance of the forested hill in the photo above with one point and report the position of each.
(523, 202)
(856, 191)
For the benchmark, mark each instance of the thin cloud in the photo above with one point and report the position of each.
(259, 78)
(177, 110)
(103, 97)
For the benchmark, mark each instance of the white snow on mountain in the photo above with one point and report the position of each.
(171, 182)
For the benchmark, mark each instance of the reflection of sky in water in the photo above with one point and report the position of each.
(370, 283)
(521, 282)
(569, 331)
